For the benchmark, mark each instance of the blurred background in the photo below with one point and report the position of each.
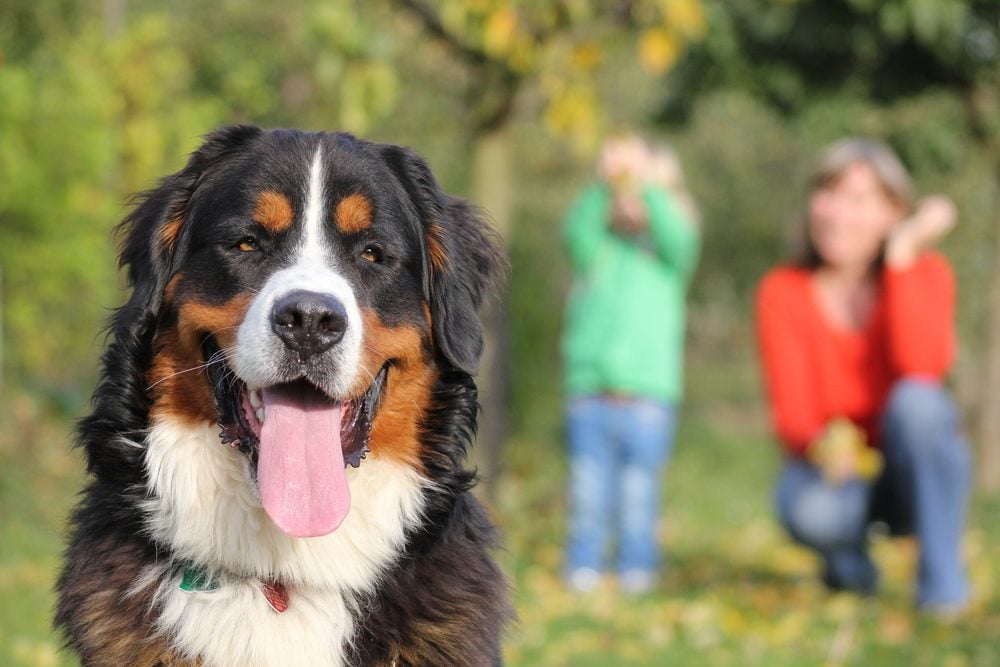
(508, 101)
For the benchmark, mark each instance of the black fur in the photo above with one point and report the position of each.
(444, 602)
(456, 291)
(445, 560)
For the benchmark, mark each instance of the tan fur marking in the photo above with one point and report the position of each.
(178, 386)
(435, 239)
(169, 233)
(171, 288)
(353, 214)
(196, 319)
(273, 211)
(396, 430)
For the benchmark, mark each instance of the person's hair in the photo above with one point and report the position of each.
(833, 163)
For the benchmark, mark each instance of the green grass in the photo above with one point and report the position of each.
(734, 590)
(39, 479)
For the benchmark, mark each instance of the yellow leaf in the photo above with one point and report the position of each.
(686, 17)
(844, 439)
(896, 628)
(658, 50)
(498, 34)
(573, 112)
(787, 629)
(587, 56)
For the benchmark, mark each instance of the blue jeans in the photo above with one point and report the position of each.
(923, 490)
(617, 452)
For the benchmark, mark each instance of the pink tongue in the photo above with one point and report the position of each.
(300, 473)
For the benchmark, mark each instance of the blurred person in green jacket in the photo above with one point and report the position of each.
(633, 243)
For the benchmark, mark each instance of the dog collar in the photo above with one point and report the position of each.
(276, 595)
(197, 579)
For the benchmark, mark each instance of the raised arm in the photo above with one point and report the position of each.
(920, 291)
(674, 234)
(585, 228)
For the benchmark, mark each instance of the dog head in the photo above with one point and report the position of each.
(306, 291)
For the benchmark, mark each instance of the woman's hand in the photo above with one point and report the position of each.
(935, 216)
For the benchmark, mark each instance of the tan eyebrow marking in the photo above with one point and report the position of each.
(273, 211)
(353, 214)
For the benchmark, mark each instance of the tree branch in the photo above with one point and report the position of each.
(497, 84)
(433, 25)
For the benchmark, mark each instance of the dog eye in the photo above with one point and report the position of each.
(372, 253)
(248, 244)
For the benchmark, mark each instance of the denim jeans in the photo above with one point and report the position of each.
(923, 490)
(617, 452)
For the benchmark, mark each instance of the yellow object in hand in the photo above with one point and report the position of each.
(842, 453)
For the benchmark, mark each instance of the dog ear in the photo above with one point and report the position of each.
(150, 238)
(462, 260)
(152, 231)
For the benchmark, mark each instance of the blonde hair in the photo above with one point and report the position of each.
(835, 160)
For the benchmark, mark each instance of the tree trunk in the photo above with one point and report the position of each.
(491, 189)
(114, 17)
(988, 466)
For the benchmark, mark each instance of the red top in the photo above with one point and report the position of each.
(816, 371)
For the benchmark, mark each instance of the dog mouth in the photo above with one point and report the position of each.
(298, 441)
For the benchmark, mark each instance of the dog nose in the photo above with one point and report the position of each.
(309, 322)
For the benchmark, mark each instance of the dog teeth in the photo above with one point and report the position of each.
(260, 415)
(255, 398)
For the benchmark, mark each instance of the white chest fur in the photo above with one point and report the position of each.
(205, 506)
(233, 625)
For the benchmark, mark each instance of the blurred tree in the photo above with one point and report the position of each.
(97, 101)
(556, 46)
(922, 74)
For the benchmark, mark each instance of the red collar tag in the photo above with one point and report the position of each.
(276, 595)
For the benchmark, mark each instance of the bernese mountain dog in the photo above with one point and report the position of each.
(277, 443)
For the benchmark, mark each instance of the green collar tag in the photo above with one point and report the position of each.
(197, 579)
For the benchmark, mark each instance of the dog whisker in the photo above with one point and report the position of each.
(186, 370)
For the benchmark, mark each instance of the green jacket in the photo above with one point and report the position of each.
(624, 330)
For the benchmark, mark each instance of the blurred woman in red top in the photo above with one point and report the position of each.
(855, 339)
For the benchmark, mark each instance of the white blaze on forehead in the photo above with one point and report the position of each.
(312, 229)
(260, 357)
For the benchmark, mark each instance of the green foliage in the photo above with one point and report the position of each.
(790, 52)
(78, 129)
(90, 114)
(556, 48)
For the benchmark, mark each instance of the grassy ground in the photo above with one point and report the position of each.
(734, 591)
(39, 477)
